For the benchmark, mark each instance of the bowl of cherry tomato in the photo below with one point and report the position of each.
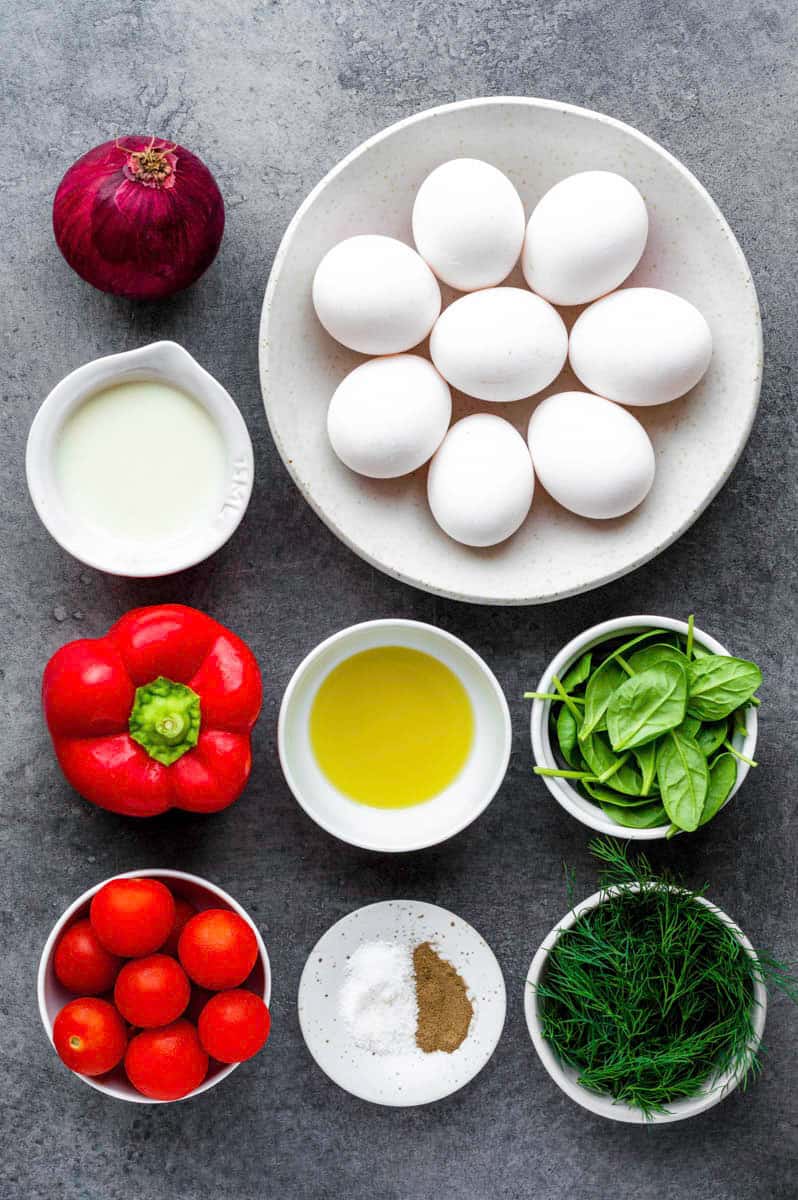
(154, 985)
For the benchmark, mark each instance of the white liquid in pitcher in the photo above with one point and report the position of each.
(142, 461)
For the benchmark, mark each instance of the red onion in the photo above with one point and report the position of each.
(139, 217)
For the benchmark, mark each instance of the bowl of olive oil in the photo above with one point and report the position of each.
(394, 735)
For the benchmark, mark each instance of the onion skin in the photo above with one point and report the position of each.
(139, 217)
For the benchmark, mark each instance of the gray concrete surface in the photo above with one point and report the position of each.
(272, 94)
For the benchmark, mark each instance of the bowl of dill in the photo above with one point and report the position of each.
(646, 1003)
(644, 727)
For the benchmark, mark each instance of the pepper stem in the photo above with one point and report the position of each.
(165, 719)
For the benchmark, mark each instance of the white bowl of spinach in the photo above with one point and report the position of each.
(645, 726)
(646, 1003)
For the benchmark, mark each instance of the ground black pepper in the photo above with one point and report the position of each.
(444, 1009)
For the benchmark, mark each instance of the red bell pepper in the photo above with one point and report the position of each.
(155, 715)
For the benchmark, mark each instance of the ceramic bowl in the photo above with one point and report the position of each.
(53, 996)
(400, 1080)
(567, 796)
(690, 251)
(165, 362)
(422, 824)
(566, 1077)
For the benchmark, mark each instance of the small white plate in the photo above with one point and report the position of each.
(395, 1080)
(697, 440)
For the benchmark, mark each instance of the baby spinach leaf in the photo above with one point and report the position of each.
(720, 684)
(600, 758)
(652, 656)
(578, 672)
(566, 736)
(646, 758)
(738, 720)
(683, 777)
(602, 683)
(711, 736)
(689, 726)
(603, 793)
(647, 705)
(722, 778)
(646, 817)
(639, 637)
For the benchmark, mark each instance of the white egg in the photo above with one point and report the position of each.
(591, 456)
(389, 415)
(376, 295)
(640, 346)
(499, 344)
(584, 237)
(468, 224)
(481, 482)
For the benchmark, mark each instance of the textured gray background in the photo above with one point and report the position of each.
(272, 94)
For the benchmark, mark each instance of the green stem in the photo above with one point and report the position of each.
(556, 773)
(610, 771)
(550, 696)
(566, 699)
(165, 719)
(749, 761)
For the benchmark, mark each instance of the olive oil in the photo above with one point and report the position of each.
(391, 727)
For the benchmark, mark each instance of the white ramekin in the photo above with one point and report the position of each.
(567, 796)
(420, 825)
(566, 1077)
(165, 362)
(52, 996)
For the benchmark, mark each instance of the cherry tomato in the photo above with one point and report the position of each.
(234, 1025)
(218, 949)
(183, 913)
(132, 917)
(152, 991)
(81, 962)
(89, 1036)
(167, 1063)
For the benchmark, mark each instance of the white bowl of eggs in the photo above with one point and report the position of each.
(500, 294)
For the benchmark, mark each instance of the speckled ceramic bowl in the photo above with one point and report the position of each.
(697, 439)
(394, 1079)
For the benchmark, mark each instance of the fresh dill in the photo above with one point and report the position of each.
(649, 996)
